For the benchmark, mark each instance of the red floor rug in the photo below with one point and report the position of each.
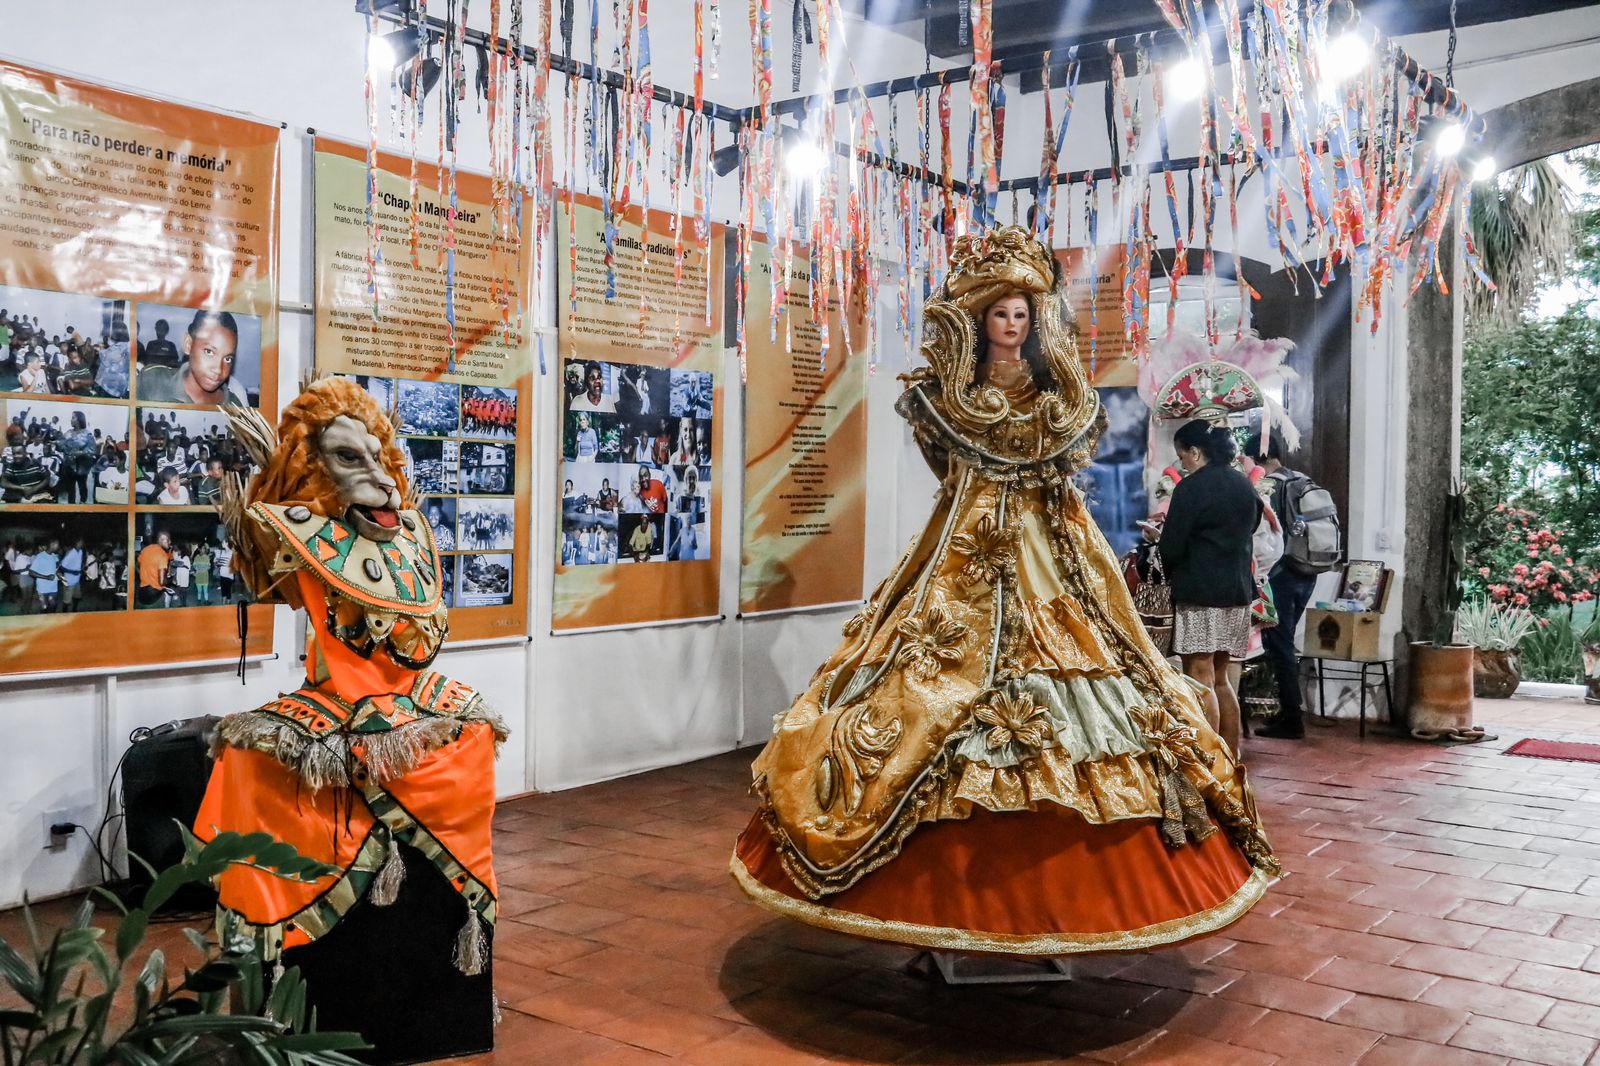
(1554, 749)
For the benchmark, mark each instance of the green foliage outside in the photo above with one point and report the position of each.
(1530, 434)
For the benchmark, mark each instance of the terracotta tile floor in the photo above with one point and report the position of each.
(1441, 907)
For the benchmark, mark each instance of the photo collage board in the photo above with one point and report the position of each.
(116, 449)
(463, 461)
(636, 470)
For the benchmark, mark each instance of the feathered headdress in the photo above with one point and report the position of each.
(1183, 379)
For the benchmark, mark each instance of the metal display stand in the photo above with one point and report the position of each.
(1048, 971)
(1353, 670)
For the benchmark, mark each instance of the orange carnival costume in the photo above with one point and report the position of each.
(996, 758)
(377, 765)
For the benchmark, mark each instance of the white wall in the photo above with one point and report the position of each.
(594, 706)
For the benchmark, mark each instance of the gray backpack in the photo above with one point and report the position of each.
(1312, 536)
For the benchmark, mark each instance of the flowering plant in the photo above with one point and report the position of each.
(1524, 563)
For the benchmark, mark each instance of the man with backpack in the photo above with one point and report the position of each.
(1311, 542)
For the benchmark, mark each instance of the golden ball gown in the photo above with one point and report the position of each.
(996, 758)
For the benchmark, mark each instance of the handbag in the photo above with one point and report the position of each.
(1153, 600)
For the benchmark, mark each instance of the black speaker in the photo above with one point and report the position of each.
(164, 777)
(388, 973)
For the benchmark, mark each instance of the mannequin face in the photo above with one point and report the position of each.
(353, 459)
(1005, 325)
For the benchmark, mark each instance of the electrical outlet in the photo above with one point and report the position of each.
(54, 841)
(1380, 540)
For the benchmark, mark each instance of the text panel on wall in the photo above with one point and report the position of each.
(138, 296)
(805, 424)
(639, 536)
(385, 316)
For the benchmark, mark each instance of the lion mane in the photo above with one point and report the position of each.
(295, 475)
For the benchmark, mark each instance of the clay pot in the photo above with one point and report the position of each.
(1441, 688)
(1495, 674)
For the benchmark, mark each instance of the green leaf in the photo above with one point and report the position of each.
(19, 973)
(130, 934)
(302, 1043)
(19, 1019)
(58, 1041)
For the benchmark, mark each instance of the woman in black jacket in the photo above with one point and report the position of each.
(1206, 551)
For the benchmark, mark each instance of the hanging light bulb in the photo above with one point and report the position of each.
(1485, 168)
(380, 54)
(1450, 139)
(1186, 80)
(1348, 54)
(804, 158)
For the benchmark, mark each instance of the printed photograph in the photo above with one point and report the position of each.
(642, 391)
(590, 489)
(687, 538)
(583, 436)
(488, 412)
(642, 537)
(432, 465)
(427, 408)
(486, 525)
(487, 468)
(62, 344)
(440, 511)
(588, 543)
(184, 456)
(646, 492)
(591, 387)
(61, 564)
(692, 393)
(63, 452)
(204, 356)
(183, 560)
(649, 440)
(447, 578)
(485, 580)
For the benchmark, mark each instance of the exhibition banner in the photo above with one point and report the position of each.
(1094, 290)
(415, 310)
(466, 432)
(641, 467)
(138, 295)
(805, 450)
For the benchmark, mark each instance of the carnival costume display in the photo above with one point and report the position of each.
(377, 765)
(1183, 379)
(996, 758)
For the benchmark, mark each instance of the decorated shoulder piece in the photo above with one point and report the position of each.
(945, 399)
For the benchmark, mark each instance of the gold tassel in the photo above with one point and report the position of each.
(386, 886)
(472, 947)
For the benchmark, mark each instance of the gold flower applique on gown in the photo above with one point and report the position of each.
(996, 758)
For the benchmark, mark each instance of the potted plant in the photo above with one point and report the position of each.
(69, 993)
(1591, 661)
(1494, 631)
(1441, 668)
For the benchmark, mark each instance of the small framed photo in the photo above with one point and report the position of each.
(1366, 582)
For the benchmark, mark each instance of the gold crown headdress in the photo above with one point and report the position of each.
(987, 266)
(983, 268)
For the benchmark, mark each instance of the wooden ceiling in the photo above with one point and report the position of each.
(1028, 27)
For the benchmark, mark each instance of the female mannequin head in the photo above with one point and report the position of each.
(1007, 331)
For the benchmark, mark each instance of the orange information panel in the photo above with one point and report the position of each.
(464, 420)
(641, 464)
(805, 460)
(1094, 287)
(138, 296)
